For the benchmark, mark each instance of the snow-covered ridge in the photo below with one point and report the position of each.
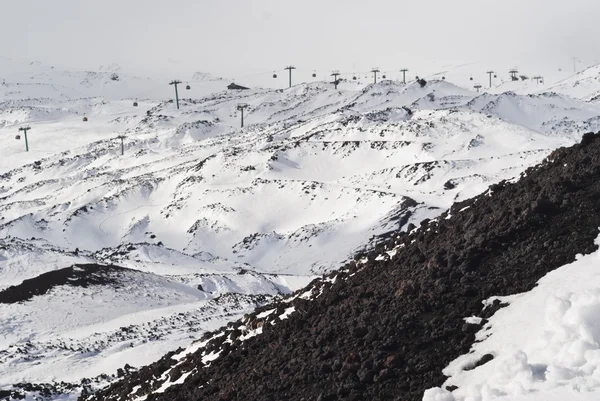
(315, 176)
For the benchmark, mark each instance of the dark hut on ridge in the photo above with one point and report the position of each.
(233, 86)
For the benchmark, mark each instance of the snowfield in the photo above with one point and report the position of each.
(213, 219)
(545, 344)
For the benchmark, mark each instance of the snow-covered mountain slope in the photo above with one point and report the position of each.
(473, 282)
(315, 176)
(470, 74)
(273, 194)
(94, 317)
(584, 86)
(21, 80)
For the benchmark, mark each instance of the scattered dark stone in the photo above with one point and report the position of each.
(449, 185)
(359, 332)
(484, 359)
(470, 328)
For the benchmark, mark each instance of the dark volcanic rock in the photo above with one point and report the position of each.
(484, 359)
(386, 329)
(76, 276)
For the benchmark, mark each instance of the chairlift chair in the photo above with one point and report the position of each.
(135, 104)
(17, 136)
(470, 79)
(274, 75)
(85, 118)
(314, 75)
(354, 78)
(187, 87)
(383, 76)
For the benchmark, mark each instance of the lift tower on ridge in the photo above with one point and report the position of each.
(176, 82)
(490, 73)
(290, 68)
(241, 107)
(375, 70)
(404, 71)
(335, 74)
(24, 130)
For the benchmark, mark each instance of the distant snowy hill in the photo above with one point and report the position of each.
(584, 86)
(229, 217)
(21, 80)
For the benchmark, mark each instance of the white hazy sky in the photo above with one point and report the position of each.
(238, 37)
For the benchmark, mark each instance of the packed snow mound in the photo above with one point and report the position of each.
(547, 112)
(522, 86)
(543, 340)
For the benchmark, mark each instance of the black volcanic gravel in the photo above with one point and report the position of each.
(387, 331)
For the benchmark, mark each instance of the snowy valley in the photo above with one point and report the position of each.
(202, 221)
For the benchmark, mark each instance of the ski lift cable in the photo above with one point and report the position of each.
(140, 94)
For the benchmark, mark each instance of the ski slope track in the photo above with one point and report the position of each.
(210, 220)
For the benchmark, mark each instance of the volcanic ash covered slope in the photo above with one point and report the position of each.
(386, 326)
